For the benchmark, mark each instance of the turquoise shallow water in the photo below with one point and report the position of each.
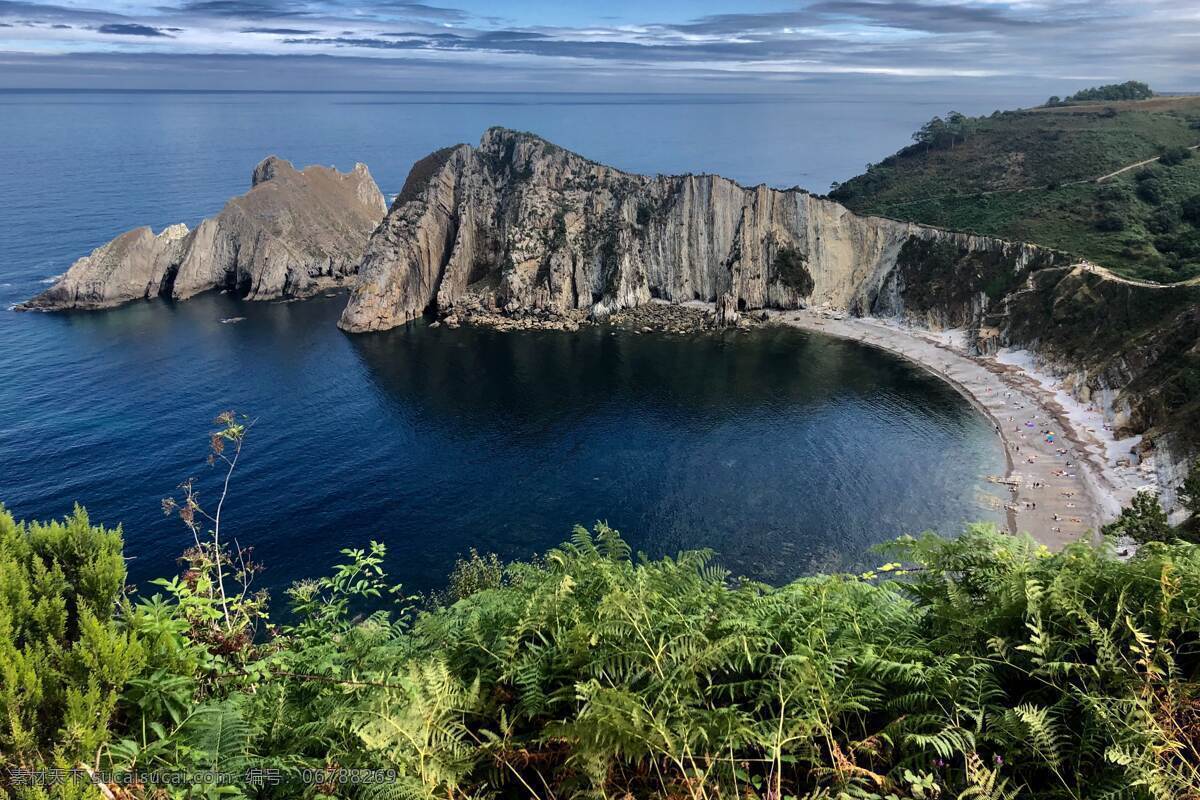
(782, 451)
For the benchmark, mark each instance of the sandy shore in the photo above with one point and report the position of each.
(1058, 491)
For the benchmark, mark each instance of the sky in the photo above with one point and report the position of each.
(853, 46)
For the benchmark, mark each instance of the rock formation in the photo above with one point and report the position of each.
(294, 232)
(518, 232)
(520, 227)
(527, 225)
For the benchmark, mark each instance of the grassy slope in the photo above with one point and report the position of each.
(1027, 159)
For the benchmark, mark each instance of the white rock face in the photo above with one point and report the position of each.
(293, 232)
(544, 228)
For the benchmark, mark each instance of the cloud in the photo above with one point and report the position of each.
(332, 9)
(927, 17)
(133, 29)
(46, 11)
(421, 11)
(241, 9)
(282, 31)
(1108, 40)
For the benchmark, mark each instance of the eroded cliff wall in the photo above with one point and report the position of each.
(529, 225)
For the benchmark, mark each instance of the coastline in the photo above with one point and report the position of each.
(1059, 491)
(1054, 503)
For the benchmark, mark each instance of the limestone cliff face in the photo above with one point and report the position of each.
(532, 226)
(294, 231)
(518, 224)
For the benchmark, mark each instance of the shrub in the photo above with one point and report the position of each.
(63, 656)
(791, 267)
(1150, 190)
(1164, 219)
(1174, 155)
(1190, 209)
(1143, 521)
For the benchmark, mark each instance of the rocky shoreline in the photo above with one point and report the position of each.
(657, 316)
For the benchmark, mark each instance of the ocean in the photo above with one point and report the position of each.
(783, 452)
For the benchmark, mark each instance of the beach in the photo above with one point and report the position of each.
(1065, 474)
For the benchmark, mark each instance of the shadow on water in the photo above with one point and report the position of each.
(531, 374)
(783, 451)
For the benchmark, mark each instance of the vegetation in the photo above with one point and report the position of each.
(981, 667)
(1189, 492)
(1130, 90)
(791, 265)
(1143, 521)
(1032, 176)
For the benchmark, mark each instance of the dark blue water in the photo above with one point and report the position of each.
(783, 452)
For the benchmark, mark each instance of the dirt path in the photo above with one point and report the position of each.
(1058, 492)
(1009, 190)
(1103, 178)
(1108, 274)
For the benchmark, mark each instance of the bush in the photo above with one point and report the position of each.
(1190, 209)
(474, 574)
(1150, 190)
(64, 657)
(791, 267)
(1174, 155)
(1143, 521)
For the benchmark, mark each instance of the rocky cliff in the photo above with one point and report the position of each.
(519, 225)
(522, 224)
(292, 233)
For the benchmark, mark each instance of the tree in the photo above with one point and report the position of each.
(1150, 190)
(1129, 90)
(1143, 521)
(930, 133)
(940, 133)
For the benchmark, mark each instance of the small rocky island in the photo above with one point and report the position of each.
(294, 233)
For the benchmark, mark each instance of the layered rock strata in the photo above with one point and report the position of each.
(530, 225)
(293, 233)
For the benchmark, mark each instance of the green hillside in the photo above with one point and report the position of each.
(1031, 175)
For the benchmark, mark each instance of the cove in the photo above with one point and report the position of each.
(785, 452)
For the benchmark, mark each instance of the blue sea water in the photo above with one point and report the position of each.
(783, 452)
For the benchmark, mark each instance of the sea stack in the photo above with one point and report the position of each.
(294, 233)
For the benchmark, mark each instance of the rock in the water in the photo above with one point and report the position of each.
(727, 311)
(557, 232)
(293, 233)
